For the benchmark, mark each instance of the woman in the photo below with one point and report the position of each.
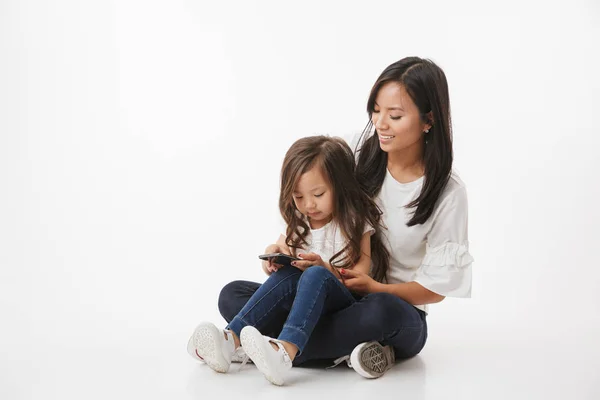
(404, 162)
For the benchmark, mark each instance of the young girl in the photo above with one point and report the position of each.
(332, 225)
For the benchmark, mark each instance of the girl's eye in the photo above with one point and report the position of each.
(297, 197)
(318, 195)
(395, 118)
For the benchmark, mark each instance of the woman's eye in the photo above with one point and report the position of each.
(395, 118)
(375, 111)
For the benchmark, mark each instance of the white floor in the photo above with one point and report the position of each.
(484, 359)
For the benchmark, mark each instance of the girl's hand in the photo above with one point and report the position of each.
(308, 260)
(269, 266)
(357, 281)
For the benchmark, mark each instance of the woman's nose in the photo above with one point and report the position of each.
(379, 123)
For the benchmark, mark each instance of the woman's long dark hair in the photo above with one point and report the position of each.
(426, 85)
(353, 208)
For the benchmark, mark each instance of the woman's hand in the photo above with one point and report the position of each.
(357, 281)
(309, 260)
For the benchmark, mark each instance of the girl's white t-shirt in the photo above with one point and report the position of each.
(327, 240)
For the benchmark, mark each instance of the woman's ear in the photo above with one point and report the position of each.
(428, 121)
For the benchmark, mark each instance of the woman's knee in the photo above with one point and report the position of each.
(385, 308)
(234, 296)
(401, 323)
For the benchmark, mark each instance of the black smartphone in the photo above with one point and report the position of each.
(279, 258)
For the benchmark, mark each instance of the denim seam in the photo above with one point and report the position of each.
(265, 295)
(240, 318)
(294, 328)
(323, 282)
(299, 330)
(295, 336)
(273, 306)
(313, 303)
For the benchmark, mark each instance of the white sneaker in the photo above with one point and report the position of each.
(274, 364)
(208, 344)
(371, 359)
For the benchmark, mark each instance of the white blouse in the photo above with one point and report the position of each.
(436, 253)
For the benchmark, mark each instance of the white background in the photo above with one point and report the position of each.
(140, 147)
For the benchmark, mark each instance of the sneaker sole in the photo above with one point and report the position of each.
(191, 349)
(370, 360)
(255, 346)
(204, 339)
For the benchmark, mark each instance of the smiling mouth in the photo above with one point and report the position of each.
(386, 137)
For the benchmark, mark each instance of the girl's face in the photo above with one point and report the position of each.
(397, 120)
(313, 197)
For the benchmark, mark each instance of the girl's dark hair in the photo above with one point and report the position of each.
(352, 209)
(426, 85)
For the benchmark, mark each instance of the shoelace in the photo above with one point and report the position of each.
(237, 351)
(246, 358)
(244, 362)
(340, 360)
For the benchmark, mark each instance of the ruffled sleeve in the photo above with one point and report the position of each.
(446, 267)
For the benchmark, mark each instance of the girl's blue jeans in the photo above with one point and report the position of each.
(317, 313)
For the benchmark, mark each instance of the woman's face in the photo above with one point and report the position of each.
(397, 119)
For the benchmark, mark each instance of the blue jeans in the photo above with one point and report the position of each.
(318, 314)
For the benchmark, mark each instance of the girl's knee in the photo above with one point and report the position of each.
(315, 273)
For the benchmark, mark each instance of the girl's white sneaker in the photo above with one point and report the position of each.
(239, 356)
(208, 344)
(274, 364)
